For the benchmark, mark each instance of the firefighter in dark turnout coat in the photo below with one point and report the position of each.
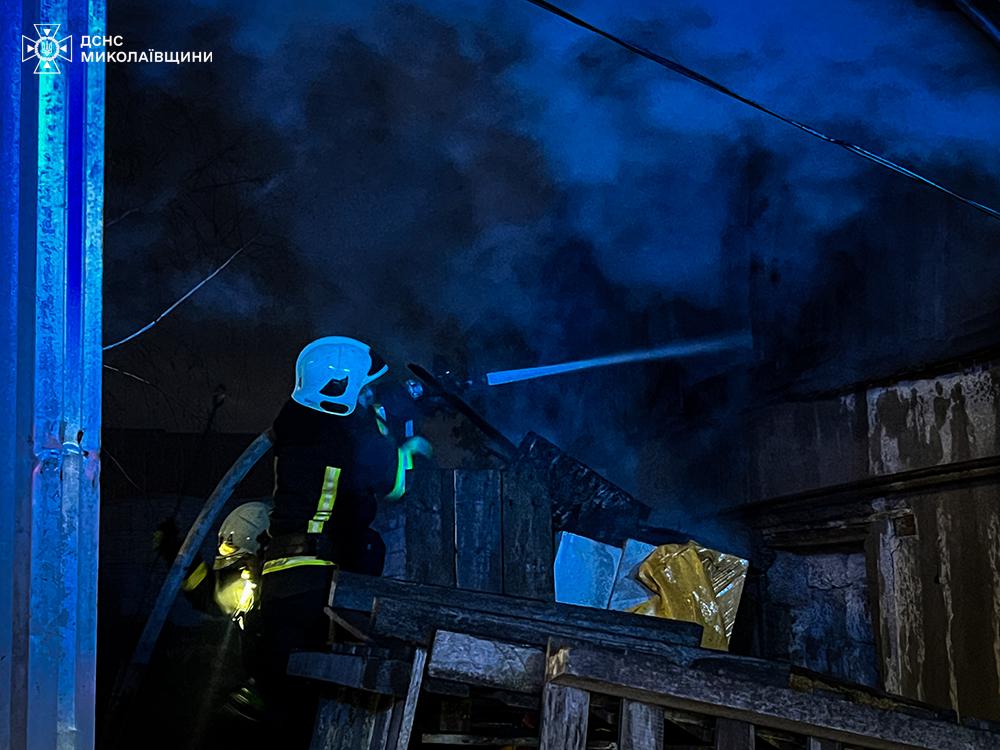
(334, 458)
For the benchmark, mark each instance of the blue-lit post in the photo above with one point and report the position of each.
(50, 385)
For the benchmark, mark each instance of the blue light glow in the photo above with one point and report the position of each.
(13, 473)
(673, 351)
(53, 141)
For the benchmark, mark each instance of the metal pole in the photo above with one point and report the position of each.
(50, 352)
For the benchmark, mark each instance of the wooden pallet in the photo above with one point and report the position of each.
(562, 660)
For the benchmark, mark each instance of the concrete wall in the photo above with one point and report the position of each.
(818, 614)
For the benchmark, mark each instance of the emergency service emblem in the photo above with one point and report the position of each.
(48, 48)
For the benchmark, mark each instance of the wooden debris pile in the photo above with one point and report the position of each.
(470, 649)
(436, 666)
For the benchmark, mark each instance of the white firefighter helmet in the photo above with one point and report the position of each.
(241, 534)
(331, 372)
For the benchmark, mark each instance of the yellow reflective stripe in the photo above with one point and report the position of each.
(196, 577)
(284, 563)
(399, 485)
(324, 507)
(404, 463)
(381, 419)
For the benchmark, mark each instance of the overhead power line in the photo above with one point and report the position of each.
(694, 75)
(192, 290)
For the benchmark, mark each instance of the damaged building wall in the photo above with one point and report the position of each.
(938, 568)
(934, 421)
(898, 485)
(813, 443)
(939, 603)
(813, 596)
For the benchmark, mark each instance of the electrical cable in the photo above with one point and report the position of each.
(177, 303)
(693, 75)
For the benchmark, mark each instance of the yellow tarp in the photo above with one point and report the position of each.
(696, 584)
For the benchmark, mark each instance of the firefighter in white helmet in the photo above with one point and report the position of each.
(230, 580)
(239, 558)
(335, 457)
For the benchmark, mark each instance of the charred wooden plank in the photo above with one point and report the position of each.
(527, 534)
(761, 671)
(351, 720)
(417, 622)
(430, 528)
(583, 501)
(640, 727)
(349, 623)
(487, 663)
(840, 496)
(832, 533)
(564, 718)
(362, 672)
(812, 682)
(657, 680)
(358, 592)
(404, 711)
(478, 557)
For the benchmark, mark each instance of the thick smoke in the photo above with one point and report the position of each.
(481, 185)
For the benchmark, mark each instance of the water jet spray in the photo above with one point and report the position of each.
(679, 350)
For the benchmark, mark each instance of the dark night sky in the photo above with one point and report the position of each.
(481, 184)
